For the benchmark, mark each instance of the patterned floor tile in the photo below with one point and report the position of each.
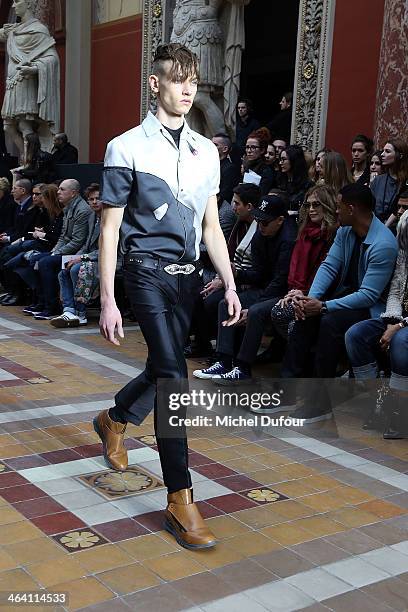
(74, 541)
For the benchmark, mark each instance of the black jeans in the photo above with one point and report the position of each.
(327, 334)
(162, 304)
(229, 338)
(259, 315)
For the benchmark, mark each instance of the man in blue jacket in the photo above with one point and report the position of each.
(349, 287)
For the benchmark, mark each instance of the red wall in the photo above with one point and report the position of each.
(115, 85)
(354, 72)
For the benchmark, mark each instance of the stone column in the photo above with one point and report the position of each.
(392, 100)
(78, 74)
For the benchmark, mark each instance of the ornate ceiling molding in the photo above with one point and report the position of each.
(154, 17)
(312, 78)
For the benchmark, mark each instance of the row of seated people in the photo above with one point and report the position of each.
(49, 249)
(320, 283)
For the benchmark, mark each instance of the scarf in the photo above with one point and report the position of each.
(310, 250)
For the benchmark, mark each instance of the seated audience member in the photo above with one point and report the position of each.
(316, 234)
(246, 195)
(38, 165)
(386, 186)
(73, 236)
(27, 216)
(7, 206)
(280, 144)
(388, 333)
(10, 255)
(294, 176)
(334, 171)
(254, 160)
(246, 124)
(361, 150)
(347, 288)
(63, 151)
(281, 124)
(315, 171)
(266, 281)
(44, 240)
(229, 172)
(270, 156)
(376, 165)
(79, 278)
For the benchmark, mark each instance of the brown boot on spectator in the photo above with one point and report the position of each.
(185, 523)
(112, 435)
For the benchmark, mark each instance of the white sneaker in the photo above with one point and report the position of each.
(67, 319)
(82, 319)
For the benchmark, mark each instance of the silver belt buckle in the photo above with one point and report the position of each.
(179, 269)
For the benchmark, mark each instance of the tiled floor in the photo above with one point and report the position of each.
(316, 520)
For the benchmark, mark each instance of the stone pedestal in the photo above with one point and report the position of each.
(392, 100)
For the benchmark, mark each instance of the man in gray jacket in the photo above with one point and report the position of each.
(73, 237)
(74, 310)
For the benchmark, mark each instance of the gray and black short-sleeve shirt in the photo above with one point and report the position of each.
(164, 189)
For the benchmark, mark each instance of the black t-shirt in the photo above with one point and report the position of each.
(351, 281)
(175, 134)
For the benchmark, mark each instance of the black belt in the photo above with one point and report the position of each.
(145, 260)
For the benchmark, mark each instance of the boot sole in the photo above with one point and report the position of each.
(97, 430)
(168, 527)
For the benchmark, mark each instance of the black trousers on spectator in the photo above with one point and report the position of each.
(48, 270)
(229, 337)
(162, 305)
(326, 333)
(258, 317)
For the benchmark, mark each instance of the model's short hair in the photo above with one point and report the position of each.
(367, 142)
(4, 184)
(25, 184)
(184, 62)
(248, 192)
(358, 195)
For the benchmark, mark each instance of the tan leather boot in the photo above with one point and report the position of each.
(185, 523)
(112, 435)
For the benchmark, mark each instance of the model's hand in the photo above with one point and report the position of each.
(110, 323)
(214, 285)
(234, 307)
(387, 335)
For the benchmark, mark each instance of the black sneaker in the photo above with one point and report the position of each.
(33, 309)
(234, 376)
(311, 414)
(45, 315)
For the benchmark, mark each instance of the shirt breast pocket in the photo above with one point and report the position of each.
(161, 211)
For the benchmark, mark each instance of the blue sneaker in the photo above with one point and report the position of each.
(236, 375)
(214, 371)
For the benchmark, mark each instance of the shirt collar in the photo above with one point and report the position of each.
(152, 125)
(24, 202)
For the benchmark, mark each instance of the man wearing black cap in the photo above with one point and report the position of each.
(271, 250)
(348, 287)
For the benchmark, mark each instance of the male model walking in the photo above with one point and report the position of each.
(160, 183)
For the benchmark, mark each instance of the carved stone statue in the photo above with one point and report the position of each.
(32, 99)
(198, 25)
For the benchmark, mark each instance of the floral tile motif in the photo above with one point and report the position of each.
(74, 541)
(149, 440)
(264, 495)
(40, 380)
(112, 485)
(4, 468)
